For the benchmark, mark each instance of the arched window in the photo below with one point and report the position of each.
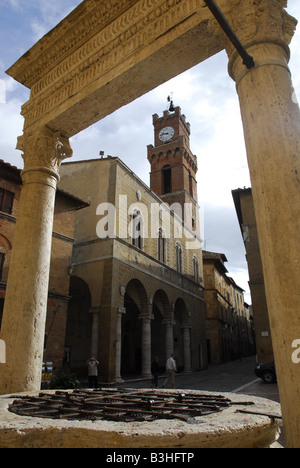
(161, 246)
(167, 179)
(179, 257)
(6, 201)
(196, 269)
(137, 230)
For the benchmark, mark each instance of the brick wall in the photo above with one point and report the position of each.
(62, 245)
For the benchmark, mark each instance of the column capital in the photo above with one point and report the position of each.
(146, 318)
(43, 151)
(94, 310)
(186, 326)
(259, 22)
(169, 322)
(121, 311)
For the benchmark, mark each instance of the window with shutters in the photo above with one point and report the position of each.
(161, 246)
(179, 257)
(137, 225)
(6, 201)
(196, 269)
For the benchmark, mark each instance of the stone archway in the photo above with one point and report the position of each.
(135, 331)
(161, 313)
(182, 336)
(79, 326)
(131, 350)
(97, 60)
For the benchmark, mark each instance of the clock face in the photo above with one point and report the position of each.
(166, 134)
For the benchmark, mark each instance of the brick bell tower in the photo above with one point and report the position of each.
(173, 165)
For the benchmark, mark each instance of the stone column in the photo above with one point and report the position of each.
(169, 344)
(187, 348)
(271, 121)
(24, 317)
(146, 346)
(120, 312)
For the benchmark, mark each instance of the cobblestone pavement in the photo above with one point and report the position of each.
(234, 377)
(226, 377)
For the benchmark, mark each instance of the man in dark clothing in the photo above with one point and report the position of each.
(92, 365)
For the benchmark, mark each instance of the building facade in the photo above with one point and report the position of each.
(137, 262)
(127, 271)
(245, 212)
(229, 325)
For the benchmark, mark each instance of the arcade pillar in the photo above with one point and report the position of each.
(271, 121)
(25, 307)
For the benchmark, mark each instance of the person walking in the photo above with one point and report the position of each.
(170, 369)
(92, 365)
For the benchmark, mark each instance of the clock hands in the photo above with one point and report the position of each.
(166, 133)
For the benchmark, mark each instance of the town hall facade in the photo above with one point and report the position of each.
(137, 287)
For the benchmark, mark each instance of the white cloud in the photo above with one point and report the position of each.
(16, 4)
(11, 128)
(48, 15)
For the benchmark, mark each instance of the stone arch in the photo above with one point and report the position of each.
(136, 306)
(177, 154)
(5, 243)
(79, 325)
(161, 314)
(162, 303)
(181, 334)
(136, 290)
(169, 155)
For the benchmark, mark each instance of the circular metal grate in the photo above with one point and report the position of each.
(126, 405)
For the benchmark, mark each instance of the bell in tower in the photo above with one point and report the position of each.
(171, 106)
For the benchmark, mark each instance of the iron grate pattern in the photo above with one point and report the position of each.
(125, 405)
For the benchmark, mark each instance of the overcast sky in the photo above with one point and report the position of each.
(206, 95)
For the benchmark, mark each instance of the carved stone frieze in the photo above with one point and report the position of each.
(79, 72)
(44, 150)
(81, 25)
(56, 77)
(143, 14)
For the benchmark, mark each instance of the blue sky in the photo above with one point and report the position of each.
(205, 93)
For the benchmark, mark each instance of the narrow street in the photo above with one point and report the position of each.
(234, 377)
